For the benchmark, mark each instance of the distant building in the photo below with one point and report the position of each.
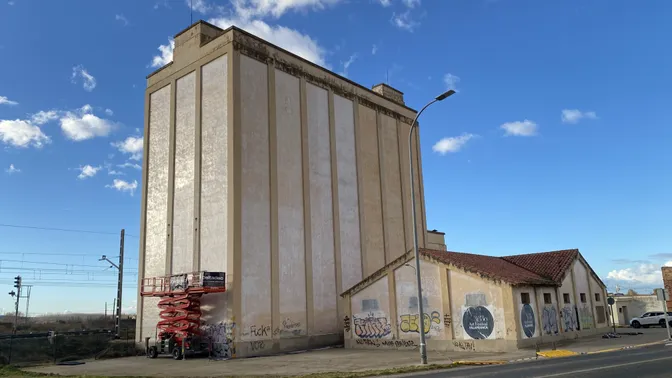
(477, 303)
(667, 283)
(627, 307)
(291, 179)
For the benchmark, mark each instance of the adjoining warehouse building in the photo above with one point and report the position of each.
(292, 180)
(476, 302)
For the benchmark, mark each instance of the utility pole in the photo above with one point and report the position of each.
(27, 296)
(120, 282)
(17, 294)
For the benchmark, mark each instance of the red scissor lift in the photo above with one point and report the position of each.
(178, 331)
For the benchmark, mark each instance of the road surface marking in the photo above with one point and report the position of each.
(603, 367)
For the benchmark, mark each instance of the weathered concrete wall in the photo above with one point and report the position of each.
(583, 297)
(183, 195)
(157, 157)
(408, 322)
(478, 307)
(526, 304)
(599, 303)
(567, 299)
(371, 317)
(628, 307)
(547, 303)
(291, 230)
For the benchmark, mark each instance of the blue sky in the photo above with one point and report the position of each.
(557, 138)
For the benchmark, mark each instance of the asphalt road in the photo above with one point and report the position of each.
(655, 361)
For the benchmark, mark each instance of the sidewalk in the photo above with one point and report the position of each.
(329, 360)
(597, 344)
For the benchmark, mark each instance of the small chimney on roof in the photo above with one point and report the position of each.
(193, 37)
(389, 93)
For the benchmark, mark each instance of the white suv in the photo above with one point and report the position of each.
(651, 319)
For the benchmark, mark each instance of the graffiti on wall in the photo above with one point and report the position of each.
(410, 322)
(371, 326)
(388, 344)
(527, 321)
(346, 324)
(477, 320)
(569, 318)
(222, 336)
(549, 320)
(585, 317)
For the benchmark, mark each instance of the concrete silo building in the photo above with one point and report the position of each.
(291, 179)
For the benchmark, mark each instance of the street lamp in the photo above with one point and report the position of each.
(423, 345)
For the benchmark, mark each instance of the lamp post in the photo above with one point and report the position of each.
(423, 345)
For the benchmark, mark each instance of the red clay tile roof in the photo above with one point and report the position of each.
(552, 265)
(489, 266)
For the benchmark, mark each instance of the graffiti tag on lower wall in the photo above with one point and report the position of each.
(549, 320)
(527, 320)
(464, 345)
(346, 324)
(371, 326)
(387, 343)
(409, 322)
(222, 337)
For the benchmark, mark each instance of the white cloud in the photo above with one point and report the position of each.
(385, 3)
(452, 144)
(451, 81)
(647, 274)
(121, 18)
(109, 112)
(289, 39)
(248, 9)
(22, 133)
(87, 171)
(132, 146)
(12, 169)
(200, 6)
(374, 50)
(520, 128)
(124, 186)
(42, 117)
(88, 81)
(404, 21)
(347, 64)
(411, 3)
(575, 115)
(130, 165)
(82, 125)
(5, 101)
(112, 172)
(166, 54)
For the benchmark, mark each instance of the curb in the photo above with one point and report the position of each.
(490, 362)
(525, 359)
(559, 353)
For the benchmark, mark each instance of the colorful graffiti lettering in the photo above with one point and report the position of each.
(372, 326)
(549, 320)
(346, 324)
(409, 323)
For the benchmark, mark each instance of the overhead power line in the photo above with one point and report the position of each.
(60, 254)
(52, 263)
(62, 229)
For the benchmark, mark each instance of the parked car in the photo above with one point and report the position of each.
(651, 319)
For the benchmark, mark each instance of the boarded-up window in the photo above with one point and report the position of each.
(525, 298)
(413, 303)
(597, 297)
(601, 314)
(565, 298)
(547, 298)
(369, 305)
(583, 297)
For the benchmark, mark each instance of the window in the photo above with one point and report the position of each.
(565, 298)
(525, 298)
(413, 303)
(597, 297)
(601, 314)
(547, 298)
(583, 297)
(369, 305)
(620, 310)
